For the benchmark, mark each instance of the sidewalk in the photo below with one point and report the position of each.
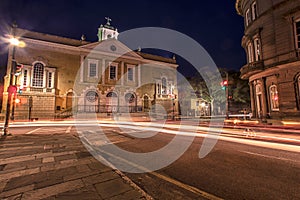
(57, 166)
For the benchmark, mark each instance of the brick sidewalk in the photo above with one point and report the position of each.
(57, 166)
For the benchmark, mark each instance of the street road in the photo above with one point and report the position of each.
(265, 166)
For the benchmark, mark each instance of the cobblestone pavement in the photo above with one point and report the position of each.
(57, 166)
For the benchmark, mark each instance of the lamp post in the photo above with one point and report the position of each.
(11, 88)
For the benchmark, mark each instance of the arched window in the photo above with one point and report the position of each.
(274, 98)
(38, 75)
(129, 98)
(92, 96)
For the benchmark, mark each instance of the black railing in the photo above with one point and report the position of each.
(108, 109)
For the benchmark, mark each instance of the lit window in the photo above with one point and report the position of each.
(298, 34)
(112, 72)
(274, 98)
(250, 53)
(257, 49)
(130, 73)
(38, 75)
(50, 77)
(254, 11)
(25, 76)
(248, 17)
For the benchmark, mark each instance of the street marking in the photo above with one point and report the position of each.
(34, 130)
(69, 129)
(187, 187)
(165, 178)
(266, 156)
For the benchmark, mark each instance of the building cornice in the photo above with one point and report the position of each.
(238, 7)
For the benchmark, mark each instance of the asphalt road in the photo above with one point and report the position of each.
(236, 168)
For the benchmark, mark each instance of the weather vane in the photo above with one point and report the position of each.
(108, 20)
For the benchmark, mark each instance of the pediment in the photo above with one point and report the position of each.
(111, 46)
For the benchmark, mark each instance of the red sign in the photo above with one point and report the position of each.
(12, 89)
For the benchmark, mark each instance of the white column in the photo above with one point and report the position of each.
(103, 71)
(122, 73)
(139, 74)
(81, 67)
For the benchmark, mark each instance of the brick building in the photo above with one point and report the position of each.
(60, 75)
(272, 44)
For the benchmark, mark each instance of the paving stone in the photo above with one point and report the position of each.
(25, 164)
(96, 165)
(70, 161)
(130, 195)
(14, 197)
(12, 170)
(3, 185)
(112, 188)
(83, 154)
(99, 178)
(82, 194)
(24, 180)
(19, 173)
(48, 159)
(83, 168)
(79, 175)
(65, 157)
(73, 172)
(53, 190)
(2, 167)
(16, 159)
(16, 191)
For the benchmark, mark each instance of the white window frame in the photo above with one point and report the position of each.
(254, 10)
(32, 75)
(93, 62)
(250, 52)
(132, 67)
(52, 72)
(112, 64)
(248, 17)
(257, 49)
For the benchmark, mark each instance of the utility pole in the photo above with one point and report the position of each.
(10, 88)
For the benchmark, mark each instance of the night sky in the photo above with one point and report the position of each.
(213, 24)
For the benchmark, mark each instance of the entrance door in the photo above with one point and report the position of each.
(69, 101)
(146, 104)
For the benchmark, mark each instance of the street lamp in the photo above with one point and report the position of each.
(11, 89)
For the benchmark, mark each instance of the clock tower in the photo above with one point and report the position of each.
(107, 31)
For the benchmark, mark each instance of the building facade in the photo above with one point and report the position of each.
(272, 44)
(62, 75)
